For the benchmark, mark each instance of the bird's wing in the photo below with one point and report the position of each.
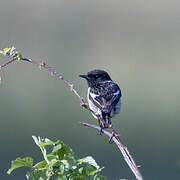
(108, 96)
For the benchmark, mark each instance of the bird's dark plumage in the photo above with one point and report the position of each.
(103, 95)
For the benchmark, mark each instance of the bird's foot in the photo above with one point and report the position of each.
(111, 138)
(100, 131)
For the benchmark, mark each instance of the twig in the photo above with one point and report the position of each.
(9, 62)
(128, 158)
(53, 72)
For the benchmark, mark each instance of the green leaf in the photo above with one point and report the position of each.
(20, 162)
(36, 140)
(62, 152)
(1, 52)
(57, 147)
(42, 142)
(61, 163)
(81, 170)
(35, 174)
(6, 51)
(40, 165)
(9, 51)
(90, 160)
(51, 157)
(19, 56)
(48, 143)
(95, 171)
(53, 162)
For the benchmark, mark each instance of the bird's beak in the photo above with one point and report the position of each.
(84, 76)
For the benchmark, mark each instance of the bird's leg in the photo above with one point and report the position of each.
(100, 131)
(101, 127)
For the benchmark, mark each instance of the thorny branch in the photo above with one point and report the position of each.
(127, 157)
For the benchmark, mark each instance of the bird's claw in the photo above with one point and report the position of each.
(111, 138)
(100, 131)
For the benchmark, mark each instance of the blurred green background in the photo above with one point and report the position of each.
(137, 42)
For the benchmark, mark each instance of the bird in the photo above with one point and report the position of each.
(104, 96)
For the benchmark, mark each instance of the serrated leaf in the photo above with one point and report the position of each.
(20, 162)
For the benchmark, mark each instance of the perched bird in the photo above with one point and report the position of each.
(104, 96)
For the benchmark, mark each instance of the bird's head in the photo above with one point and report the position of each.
(95, 76)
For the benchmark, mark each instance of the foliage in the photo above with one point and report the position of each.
(11, 52)
(60, 163)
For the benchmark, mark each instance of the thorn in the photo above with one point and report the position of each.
(0, 79)
(84, 105)
(138, 166)
(41, 65)
(116, 135)
(71, 87)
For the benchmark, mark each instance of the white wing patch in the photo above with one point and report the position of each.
(92, 94)
(92, 106)
(117, 92)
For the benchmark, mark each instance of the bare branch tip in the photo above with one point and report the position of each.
(83, 123)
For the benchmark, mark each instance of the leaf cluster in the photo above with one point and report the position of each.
(60, 163)
(11, 52)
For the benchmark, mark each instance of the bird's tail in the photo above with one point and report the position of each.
(107, 120)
